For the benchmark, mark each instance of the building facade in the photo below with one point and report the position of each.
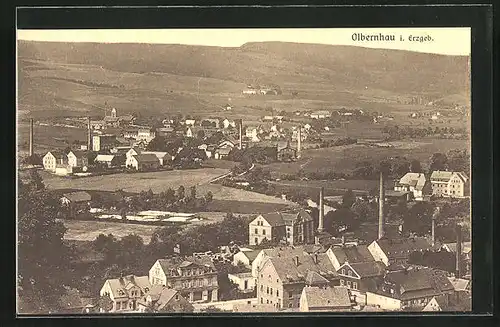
(194, 278)
(450, 184)
(52, 159)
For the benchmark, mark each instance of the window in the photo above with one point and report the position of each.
(342, 271)
(342, 282)
(289, 305)
(256, 231)
(267, 290)
(256, 240)
(277, 293)
(290, 295)
(263, 232)
(177, 297)
(349, 273)
(261, 300)
(355, 285)
(262, 288)
(348, 284)
(267, 301)
(277, 280)
(271, 291)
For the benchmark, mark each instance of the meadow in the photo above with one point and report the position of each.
(135, 182)
(345, 158)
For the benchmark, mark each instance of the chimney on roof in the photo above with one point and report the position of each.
(381, 200)
(296, 260)
(31, 137)
(315, 258)
(321, 211)
(459, 251)
(299, 141)
(343, 240)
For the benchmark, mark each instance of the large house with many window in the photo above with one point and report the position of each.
(194, 277)
(450, 184)
(282, 278)
(291, 228)
(125, 292)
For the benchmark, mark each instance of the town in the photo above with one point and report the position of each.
(300, 258)
(155, 186)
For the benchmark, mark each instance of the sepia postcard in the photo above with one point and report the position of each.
(196, 171)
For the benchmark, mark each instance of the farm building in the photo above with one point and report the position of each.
(222, 153)
(164, 157)
(77, 159)
(52, 159)
(109, 160)
(143, 162)
(76, 202)
(417, 183)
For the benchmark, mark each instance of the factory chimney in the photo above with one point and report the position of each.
(31, 137)
(381, 216)
(299, 141)
(459, 251)
(89, 135)
(240, 130)
(433, 226)
(321, 211)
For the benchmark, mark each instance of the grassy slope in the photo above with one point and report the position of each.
(60, 78)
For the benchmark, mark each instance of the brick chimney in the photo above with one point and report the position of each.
(459, 251)
(240, 133)
(321, 209)
(381, 216)
(31, 137)
(299, 141)
(296, 260)
(89, 135)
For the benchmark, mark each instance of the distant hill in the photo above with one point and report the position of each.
(137, 77)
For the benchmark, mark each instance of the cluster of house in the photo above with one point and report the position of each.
(439, 183)
(346, 277)
(76, 161)
(173, 284)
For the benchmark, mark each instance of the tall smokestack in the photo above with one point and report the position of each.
(31, 137)
(89, 135)
(381, 216)
(433, 226)
(321, 211)
(299, 141)
(459, 251)
(240, 128)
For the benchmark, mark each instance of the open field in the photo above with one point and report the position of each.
(344, 158)
(89, 230)
(332, 187)
(57, 79)
(136, 182)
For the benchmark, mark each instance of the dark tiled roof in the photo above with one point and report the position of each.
(400, 248)
(315, 279)
(145, 158)
(78, 153)
(58, 154)
(369, 269)
(352, 254)
(78, 196)
(175, 263)
(416, 283)
(274, 219)
(330, 297)
(289, 272)
(251, 255)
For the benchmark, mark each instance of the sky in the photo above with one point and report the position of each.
(448, 41)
